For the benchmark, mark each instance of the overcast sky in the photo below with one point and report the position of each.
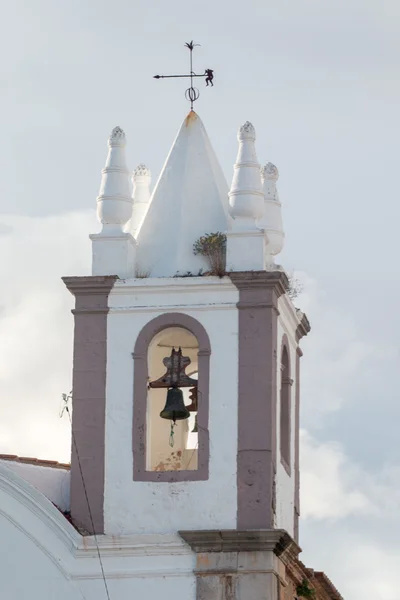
(319, 79)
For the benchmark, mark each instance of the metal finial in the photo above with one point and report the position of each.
(192, 94)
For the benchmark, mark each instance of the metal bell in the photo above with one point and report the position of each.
(175, 409)
(195, 428)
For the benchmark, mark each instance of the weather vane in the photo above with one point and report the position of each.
(192, 94)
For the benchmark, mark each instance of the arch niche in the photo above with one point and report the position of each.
(285, 406)
(153, 458)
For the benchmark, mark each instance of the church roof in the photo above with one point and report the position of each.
(189, 200)
(34, 461)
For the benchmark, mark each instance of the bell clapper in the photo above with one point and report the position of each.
(171, 435)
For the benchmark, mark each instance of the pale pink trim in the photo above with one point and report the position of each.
(140, 399)
(89, 397)
(297, 448)
(257, 395)
(285, 395)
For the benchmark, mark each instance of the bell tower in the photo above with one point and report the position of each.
(186, 373)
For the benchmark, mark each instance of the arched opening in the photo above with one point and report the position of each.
(171, 389)
(172, 445)
(285, 408)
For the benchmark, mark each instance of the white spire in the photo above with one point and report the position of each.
(114, 202)
(246, 198)
(141, 197)
(113, 250)
(245, 241)
(189, 200)
(271, 221)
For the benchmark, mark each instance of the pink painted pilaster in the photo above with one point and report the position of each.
(89, 397)
(302, 330)
(259, 292)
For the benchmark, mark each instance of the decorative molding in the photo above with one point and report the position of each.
(133, 574)
(133, 545)
(90, 285)
(261, 279)
(173, 285)
(170, 308)
(304, 326)
(232, 540)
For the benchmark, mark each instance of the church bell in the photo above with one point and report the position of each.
(175, 409)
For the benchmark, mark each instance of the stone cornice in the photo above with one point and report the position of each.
(157, 285)
(90, 285)
(277, 280)
(303, 328)
(231, 540)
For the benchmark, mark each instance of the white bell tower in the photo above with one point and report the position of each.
(221, 487)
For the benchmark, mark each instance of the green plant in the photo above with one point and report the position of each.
(142, 273)
(303, 590)
(213, 247)
(295, 287)
(189, 274)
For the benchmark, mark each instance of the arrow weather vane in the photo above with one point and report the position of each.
(192, 93)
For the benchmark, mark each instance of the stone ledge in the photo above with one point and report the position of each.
(231, 540)
(260, 279)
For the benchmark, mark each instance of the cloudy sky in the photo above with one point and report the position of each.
(319, 80)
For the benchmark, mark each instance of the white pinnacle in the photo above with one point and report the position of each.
(141, 198)
(113, 249)
(246, 198)
(271, 221)
(114, 202)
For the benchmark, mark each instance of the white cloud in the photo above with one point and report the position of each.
(349, 515)
(329, 489)
(336, 354)
(360, 565)
(36, 329)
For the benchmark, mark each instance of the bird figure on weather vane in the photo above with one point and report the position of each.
(192, 94)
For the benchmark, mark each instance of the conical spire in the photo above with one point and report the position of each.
(114, 202)
(141, 197)
(246, 198)
(271, 221)
(189, 200)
